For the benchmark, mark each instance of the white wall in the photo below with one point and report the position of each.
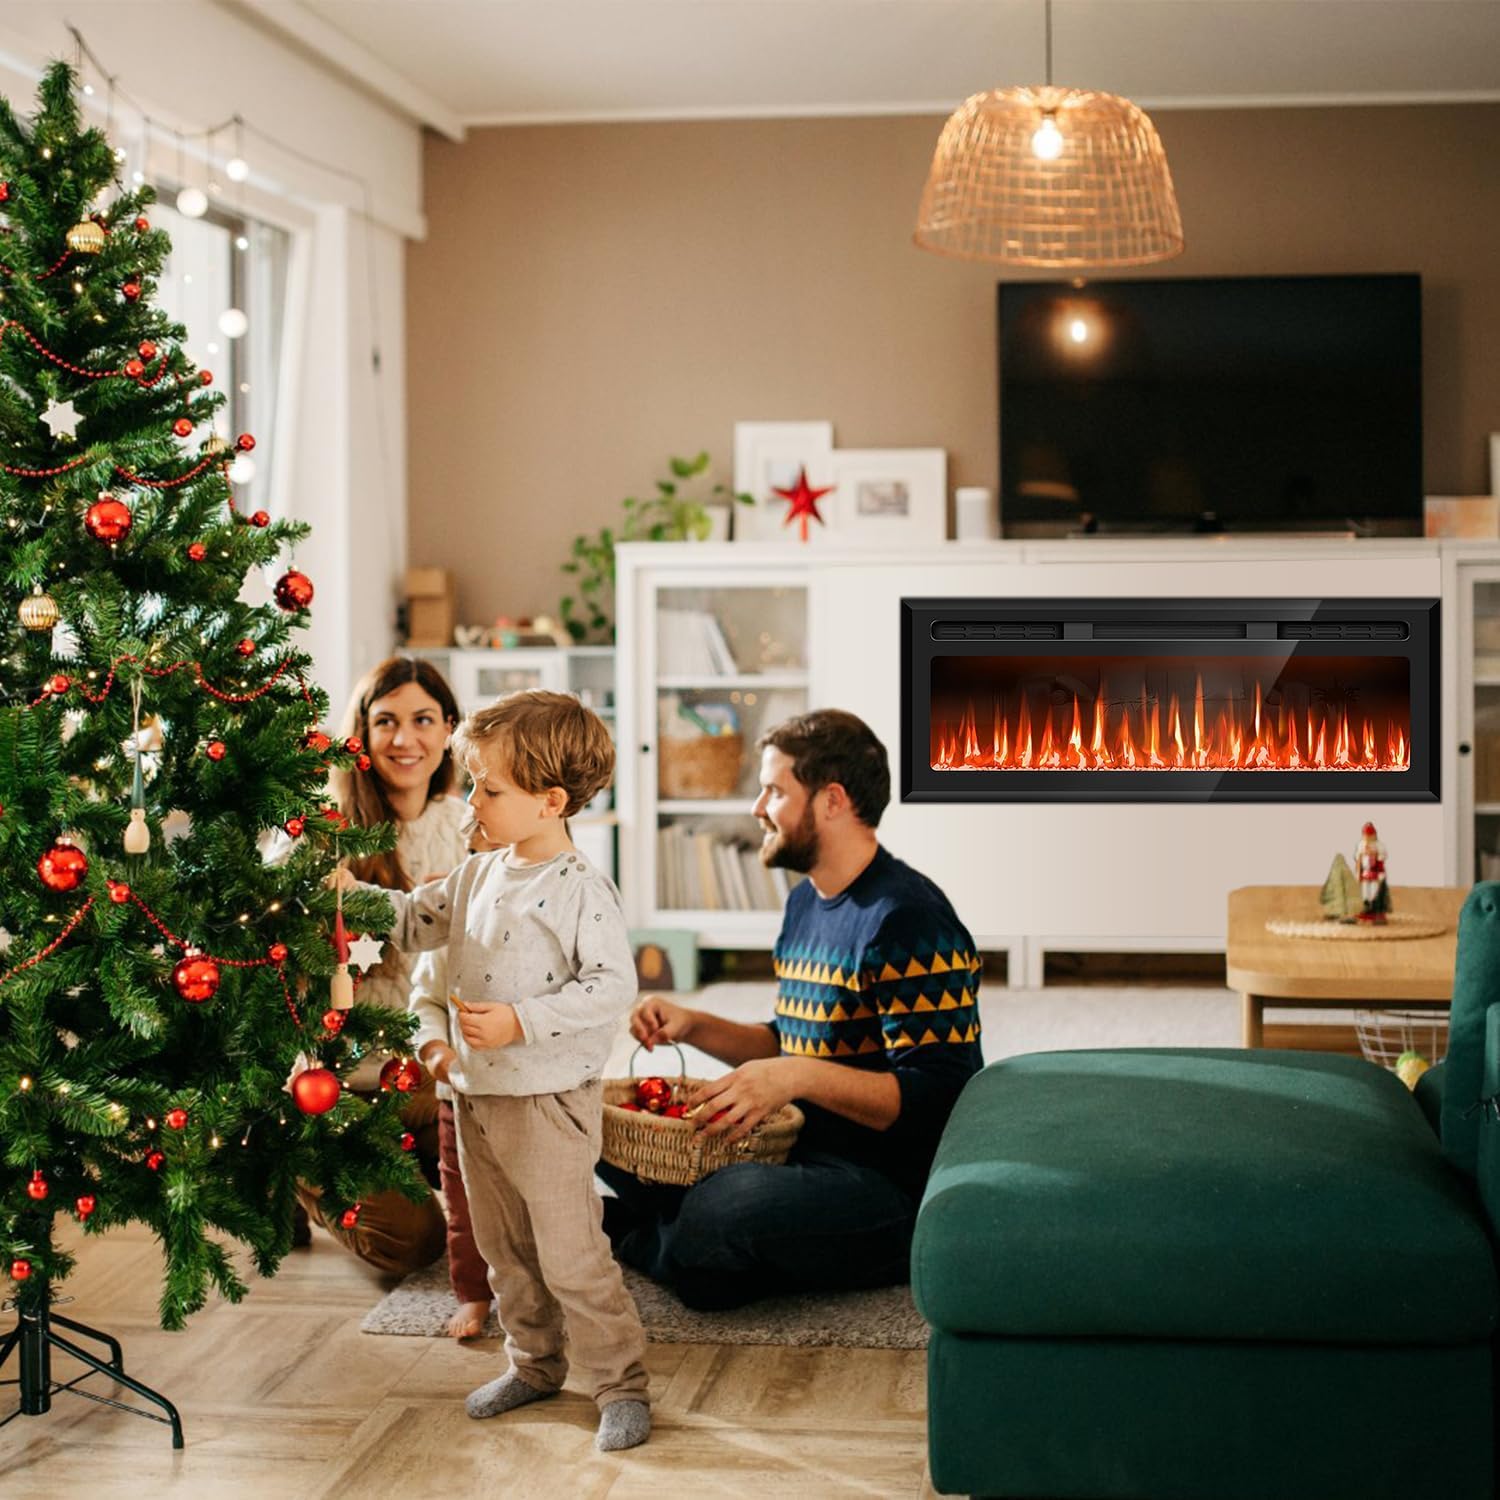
(343, 464)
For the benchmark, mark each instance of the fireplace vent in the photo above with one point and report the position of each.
(1345, 630)
(1169, 630)
(994, 630)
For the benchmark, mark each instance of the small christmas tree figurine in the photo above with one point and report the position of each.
(156, 989)
(1340, 894)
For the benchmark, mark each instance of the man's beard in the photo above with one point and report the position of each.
(796, 850)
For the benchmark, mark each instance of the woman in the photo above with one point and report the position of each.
(403, 712)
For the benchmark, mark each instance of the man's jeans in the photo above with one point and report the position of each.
(818, 1223)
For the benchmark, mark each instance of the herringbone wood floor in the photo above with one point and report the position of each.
(283, 1396)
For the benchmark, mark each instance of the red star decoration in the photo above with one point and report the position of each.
(802, 501)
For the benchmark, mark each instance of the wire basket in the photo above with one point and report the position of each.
(1384, 1035)
(657, 1148)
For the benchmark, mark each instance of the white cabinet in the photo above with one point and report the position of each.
(1474, 585)
(478, 677)
(718, 652)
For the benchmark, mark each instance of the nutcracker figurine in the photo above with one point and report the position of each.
(1369, 867)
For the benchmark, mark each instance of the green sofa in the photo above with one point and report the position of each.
(1221, 1275)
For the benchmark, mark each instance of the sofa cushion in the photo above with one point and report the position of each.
(1199, 1194)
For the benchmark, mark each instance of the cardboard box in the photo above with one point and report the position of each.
(1464, 516)
(429, 607)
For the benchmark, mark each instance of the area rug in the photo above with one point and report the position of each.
(883, 1319)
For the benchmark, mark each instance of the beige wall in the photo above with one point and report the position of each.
(593, 298)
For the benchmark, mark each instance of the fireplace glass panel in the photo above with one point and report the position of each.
(1103, 713)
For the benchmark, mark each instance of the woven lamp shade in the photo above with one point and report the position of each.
(1106, 200)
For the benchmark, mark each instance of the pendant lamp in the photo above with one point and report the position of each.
(1054, 177)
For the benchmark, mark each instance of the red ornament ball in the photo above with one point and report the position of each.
(59, 684)
(408, 1141)
(183, 426)
(317, 740)
(131, 290)
(246, 647)
(333, 817)
(316, 1091)
(86, 1204)
(260, 518)
(402, 1074)
(143, 224)
(363, 763)
(244, 442)
(37, 1188)
(216, 749)
(205, 377)
(154, 1159)
(134, 368)
(176, 1118)
(350, 1217)
(20, 1270)
(146, 349)
(333, 1021)
(294, 590)
(354, 744)
(4, 192)
(108, 519)
(196, 551)
(63, 867)
(295, 827)
(196, 977)
(653, 1094)
(277, 953)
(119, 892)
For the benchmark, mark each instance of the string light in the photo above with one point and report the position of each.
(24, 1084)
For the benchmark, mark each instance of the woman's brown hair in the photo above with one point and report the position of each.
(361, 796)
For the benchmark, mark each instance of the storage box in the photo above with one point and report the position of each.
(429, 607)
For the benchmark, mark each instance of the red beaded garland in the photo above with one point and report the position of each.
(182, 427)
(294, 590)
(196, 551)
(63, 867)
(216, 749)
(196, 977)
(177, 1118)
(315, 1091)
(108, 519)
(37, 1188)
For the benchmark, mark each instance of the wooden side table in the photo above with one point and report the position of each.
(1325, 973)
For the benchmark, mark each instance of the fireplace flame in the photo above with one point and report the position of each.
(1139, 735)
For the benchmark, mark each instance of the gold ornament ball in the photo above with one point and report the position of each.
(86, 238)
(216, 444)
(38, 610)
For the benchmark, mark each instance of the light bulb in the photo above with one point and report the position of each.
(192, 203)
(1047, 142)
(1078, 331)
(242, 470)
(233, 323)
(236, 169)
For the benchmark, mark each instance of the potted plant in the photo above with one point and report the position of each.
(672, 514)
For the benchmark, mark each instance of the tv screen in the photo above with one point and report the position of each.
(1238, 403)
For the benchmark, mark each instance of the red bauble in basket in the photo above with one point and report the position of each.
(653, 1094)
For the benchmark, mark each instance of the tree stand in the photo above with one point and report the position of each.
(36, 1336)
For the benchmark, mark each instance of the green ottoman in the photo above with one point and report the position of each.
(1213, 1275)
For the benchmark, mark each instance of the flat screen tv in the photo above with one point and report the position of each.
(1262, 403)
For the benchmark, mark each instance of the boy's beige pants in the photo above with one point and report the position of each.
(528, 1167)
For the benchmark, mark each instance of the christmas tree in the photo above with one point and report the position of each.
(160, 980)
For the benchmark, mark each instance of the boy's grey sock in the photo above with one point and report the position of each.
(623, 1424)
(505, 1394)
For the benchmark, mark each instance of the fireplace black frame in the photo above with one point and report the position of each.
(1254, 628)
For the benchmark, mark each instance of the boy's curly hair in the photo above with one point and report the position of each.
(546, 739)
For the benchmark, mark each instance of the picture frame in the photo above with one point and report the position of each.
(767, 456)
(889, 497)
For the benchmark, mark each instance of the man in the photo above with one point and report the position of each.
(876, 1033)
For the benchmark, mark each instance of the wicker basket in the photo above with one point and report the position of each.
(707, 765)
(657, 1149)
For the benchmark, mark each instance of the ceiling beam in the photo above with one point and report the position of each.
(330, 46)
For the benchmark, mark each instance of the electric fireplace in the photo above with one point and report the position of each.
(1140, 700)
